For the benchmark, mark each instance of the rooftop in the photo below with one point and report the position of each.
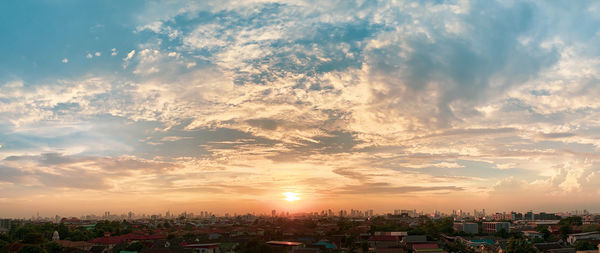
(284, 243)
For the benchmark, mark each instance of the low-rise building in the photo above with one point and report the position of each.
(533, 234)
(286, 246)
(573, 238)
(427, 247)
(384, 241)
(203, 247)
(495, 227)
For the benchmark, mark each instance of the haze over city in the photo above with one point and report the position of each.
(298, 106)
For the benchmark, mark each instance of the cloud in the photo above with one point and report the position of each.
(385, 188)
(53, 170)
(174, 138)
(128, 58)
(391, 97)
(129, 55)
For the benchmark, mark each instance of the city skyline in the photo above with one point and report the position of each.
(171, 214)
(242, 106)
(350, 212)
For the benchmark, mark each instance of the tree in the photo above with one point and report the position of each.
(457, 246)
(565, 230)
(80, 235)
(365, 246)
(3, 246)
(445, 225)
(344, 224)
(63, 230)
(189, 227)
(32, 249)
(349, 242)
(20, 232)
(544, 230)
(571, 221)
(136, 246)
(584, 245)
(519, 246)
(503, 233)
(119, 247)
(589, 228)
(52, 247)
(33, 238)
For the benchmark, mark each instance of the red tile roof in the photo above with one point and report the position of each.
(126, 238)
(202, 246)
(425, 246)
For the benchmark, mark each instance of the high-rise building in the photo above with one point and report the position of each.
(529, 216)
(5, 225)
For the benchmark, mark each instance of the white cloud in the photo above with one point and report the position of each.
(402, 93)
(129, 55)
(128, 58)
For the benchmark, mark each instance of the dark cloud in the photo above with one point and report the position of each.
(267, 124)
(11, 174)
(54, 159)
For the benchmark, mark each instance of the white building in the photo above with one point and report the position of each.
(573, 238)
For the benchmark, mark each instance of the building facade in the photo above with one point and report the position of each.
(495, 227)
(467, 227)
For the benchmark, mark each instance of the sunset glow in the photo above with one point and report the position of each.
(291, 196)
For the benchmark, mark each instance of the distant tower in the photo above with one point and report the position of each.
(55, 236)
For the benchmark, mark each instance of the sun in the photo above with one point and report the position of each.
(291, 196)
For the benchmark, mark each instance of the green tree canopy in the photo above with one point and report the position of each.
(519, 246)
(571, 221)
(32, 249)
(584, 245)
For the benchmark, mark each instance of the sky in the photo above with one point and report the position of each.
(224, 106)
